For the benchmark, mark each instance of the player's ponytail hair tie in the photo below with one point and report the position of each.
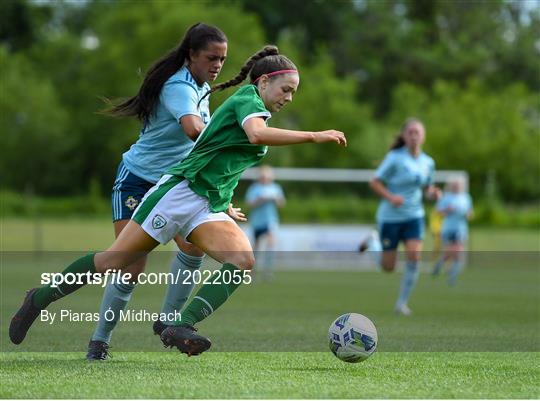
(266, 59)
(270, 74)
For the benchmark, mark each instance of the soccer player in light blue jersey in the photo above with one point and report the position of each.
(264, 197)
(401, 180)
(456, 207)
(173, 115)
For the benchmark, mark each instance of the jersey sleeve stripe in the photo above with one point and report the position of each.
(253, 115)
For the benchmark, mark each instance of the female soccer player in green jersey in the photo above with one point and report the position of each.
(193, 199)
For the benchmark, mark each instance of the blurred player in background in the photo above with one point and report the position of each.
(264, 197)
(456, 207)
(402, 178)
(168, 106)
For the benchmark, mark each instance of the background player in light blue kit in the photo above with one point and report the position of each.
(168, 106)
(264, 197)
(403, 177)
(456, 207)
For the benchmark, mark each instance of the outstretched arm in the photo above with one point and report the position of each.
(258, 133)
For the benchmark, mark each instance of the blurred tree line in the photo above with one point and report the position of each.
(469, 69)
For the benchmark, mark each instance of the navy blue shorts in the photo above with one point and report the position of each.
(258, 232)
(453, 236)
(127, 192)
(392, 233)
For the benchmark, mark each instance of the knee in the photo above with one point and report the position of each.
(243, 260)
(116, 261)
(247, 261)
(102, 262)
(388, 268)
(188, 248)
(194, 251)
(413, 257)
(388, 263)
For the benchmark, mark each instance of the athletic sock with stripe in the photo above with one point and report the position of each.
(212, 295)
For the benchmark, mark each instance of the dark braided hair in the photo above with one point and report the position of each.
(399, 142)
(143, 104)
(263, 62)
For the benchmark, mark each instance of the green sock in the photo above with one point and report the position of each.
(47, 294)
(211, 296)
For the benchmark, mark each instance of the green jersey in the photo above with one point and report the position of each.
(222, 151)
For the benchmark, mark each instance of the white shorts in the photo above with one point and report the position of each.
(171, 207)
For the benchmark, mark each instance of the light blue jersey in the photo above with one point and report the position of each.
(461, 205)
(404, 175)
(162, 142)
(265, 214)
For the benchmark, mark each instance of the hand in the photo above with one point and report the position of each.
(236, 213)
(396, 200)
(433, 193)
(330, 136)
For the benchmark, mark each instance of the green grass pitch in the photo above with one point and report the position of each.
(479, 339)
(272, 375)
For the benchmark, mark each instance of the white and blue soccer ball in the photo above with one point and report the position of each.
(352, 337)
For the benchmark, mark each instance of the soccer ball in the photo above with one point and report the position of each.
(352, 337)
